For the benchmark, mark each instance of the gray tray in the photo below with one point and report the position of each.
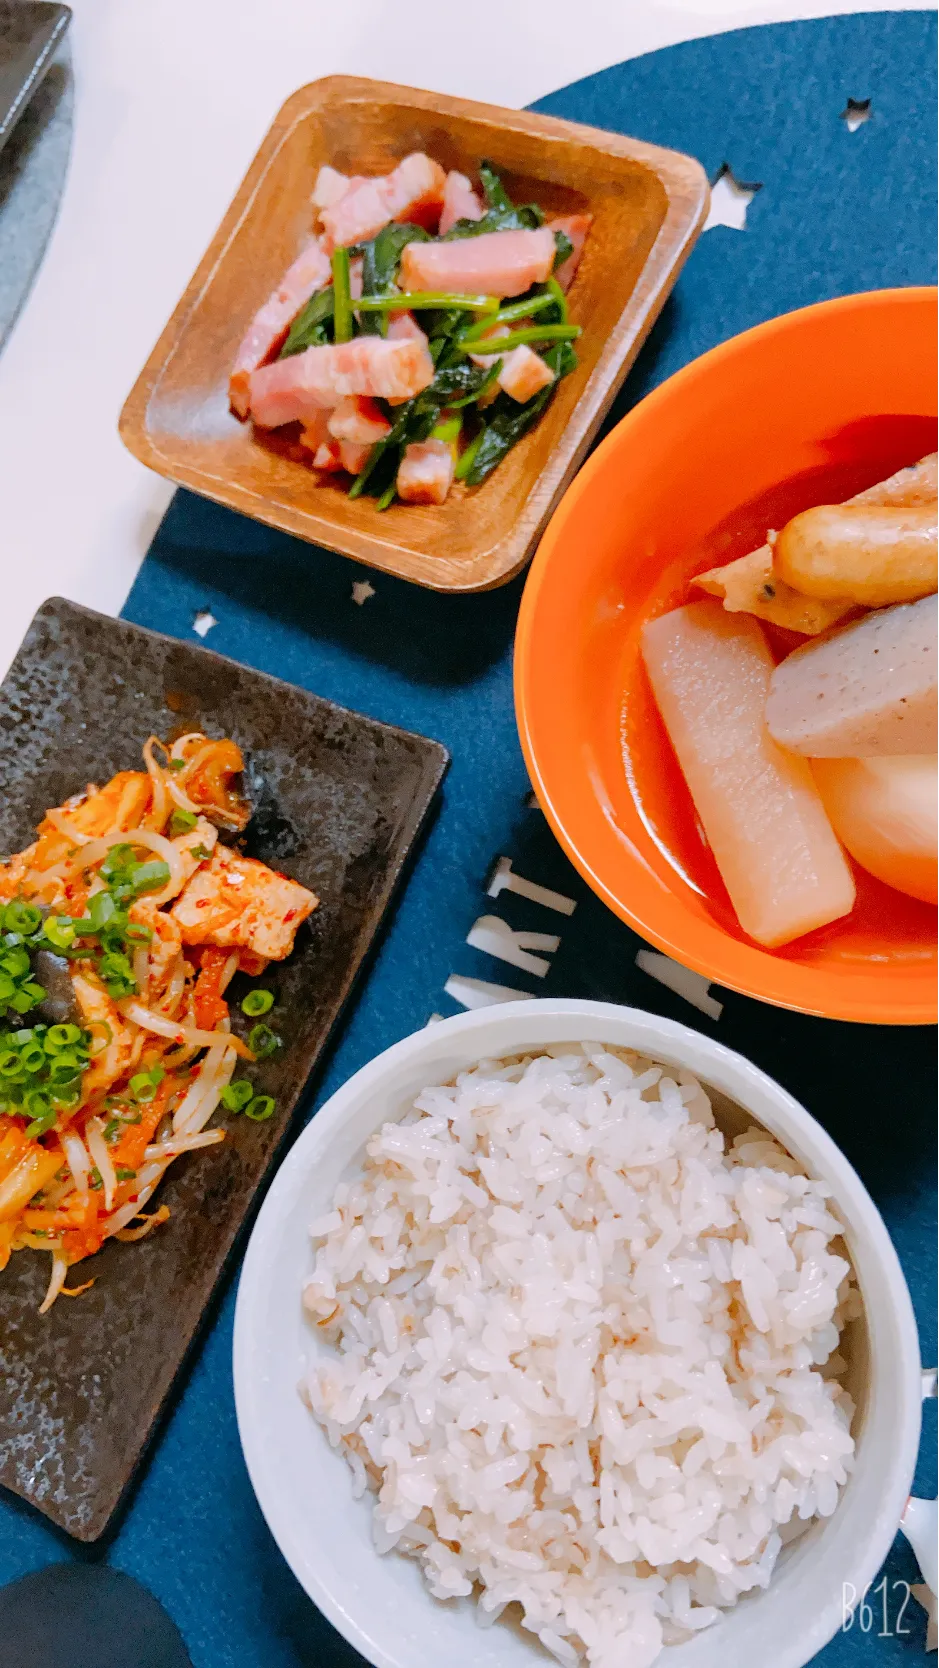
(35, 139)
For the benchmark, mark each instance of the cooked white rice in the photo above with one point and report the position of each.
(573, 1344)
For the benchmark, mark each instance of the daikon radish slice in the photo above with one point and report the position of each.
(759, 807)
(870, 689)
(885, 811)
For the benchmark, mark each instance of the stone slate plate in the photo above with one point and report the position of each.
(30, 31)
(339, 801)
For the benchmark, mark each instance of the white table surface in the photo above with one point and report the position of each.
(172, 100)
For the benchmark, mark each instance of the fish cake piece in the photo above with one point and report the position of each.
(753, 584)
(749, 586)
(870, 554)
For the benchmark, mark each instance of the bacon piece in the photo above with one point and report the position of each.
(495, 263)
(403, 327)
(330, 186)
(524, 373)
(460, 202)
(327, 457)
(294, 389)
(268, 329)
(352, 457)
(425, 472)
(575, 227)
(359, 420)
(316, 431)
(413, 191)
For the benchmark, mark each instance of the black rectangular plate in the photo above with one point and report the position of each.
(30, 31)
(339, 800)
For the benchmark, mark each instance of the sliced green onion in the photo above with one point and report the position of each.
(149, 877)
(59, 931)
(62, 1036)
(263, 1042)
(116, 974)
(421, 300)
(342, 297)
(257, 1002)
(19, 916)
(99, 1028)
(181, 822)
(260, 1108)
(125, 1175)
(42, 1112)
(519, 338)
(63, 1072)
(101, 910)
(144, 1085)
(67, 1095)
(119, 857)
(236, 1095)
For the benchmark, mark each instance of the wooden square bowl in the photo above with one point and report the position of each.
(648, 206)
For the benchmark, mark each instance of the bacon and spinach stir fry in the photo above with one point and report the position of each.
(419, 334)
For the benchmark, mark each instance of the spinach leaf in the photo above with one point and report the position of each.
(441, 328)
(455, 382)
(309, 328)
(526, 218)
(494, 191)
(510, 421)
(381, 256)
(564, 248)
(562, 359)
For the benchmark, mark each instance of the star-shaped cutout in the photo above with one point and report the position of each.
(730, 199)
(856, 112)
(361, 591)
(203, 621)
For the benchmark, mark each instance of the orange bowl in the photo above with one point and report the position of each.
(803, 410)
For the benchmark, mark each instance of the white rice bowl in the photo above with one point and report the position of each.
(380, 1602)
(584, 1350)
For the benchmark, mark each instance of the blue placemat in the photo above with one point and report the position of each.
(838, 211)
